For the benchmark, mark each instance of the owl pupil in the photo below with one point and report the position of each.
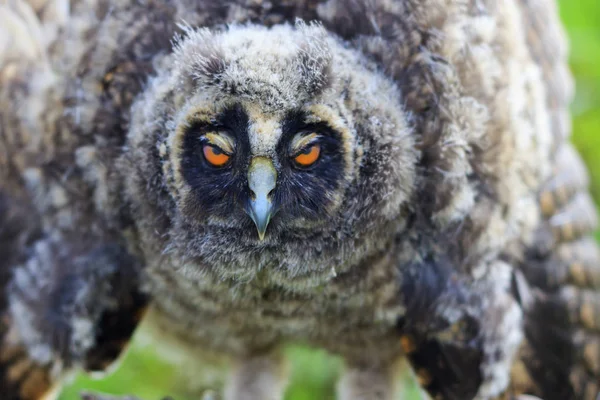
(216, 150)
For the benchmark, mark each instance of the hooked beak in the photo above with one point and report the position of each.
(262, 178)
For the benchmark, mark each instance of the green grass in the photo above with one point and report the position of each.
(582, 19)
(313, 376)
(142, 373)
(313, 372)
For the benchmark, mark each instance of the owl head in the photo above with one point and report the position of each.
(266, 136)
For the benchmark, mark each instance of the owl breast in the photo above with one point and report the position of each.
(358, 304)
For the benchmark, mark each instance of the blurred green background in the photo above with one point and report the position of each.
(314, 372)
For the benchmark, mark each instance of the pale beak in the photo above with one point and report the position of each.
(262, 178)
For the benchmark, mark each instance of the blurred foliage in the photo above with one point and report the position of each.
(313, 372)
(582, 20)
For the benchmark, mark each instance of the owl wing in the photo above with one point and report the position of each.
(561, 355)
(19, 377)
(68, 298)
(77, 319)
(560, 358)
(547, 43)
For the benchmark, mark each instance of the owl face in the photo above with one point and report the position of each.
(267, 135)
(292, 181)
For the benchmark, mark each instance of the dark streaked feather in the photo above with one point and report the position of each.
(55, 296)
(562, 324)
(445, 354)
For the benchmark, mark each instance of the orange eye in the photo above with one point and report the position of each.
(215, 156)
(308, 156)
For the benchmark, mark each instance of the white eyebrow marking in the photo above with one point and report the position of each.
(222, 141)
(302, 140)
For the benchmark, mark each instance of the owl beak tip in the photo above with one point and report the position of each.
(260, 213)
(262, 230)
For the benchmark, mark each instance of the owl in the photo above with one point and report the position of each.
(388, 180)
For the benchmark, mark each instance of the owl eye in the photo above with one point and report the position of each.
(308, 156)
(215, 156)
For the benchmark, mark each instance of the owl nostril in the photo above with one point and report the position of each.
(269, 195)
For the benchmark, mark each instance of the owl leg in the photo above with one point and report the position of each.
(68, 306)
(262, 377)
(367, 383)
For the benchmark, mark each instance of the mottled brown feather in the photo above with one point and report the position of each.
(20, 377)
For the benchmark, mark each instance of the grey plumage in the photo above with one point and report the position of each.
(445, 220)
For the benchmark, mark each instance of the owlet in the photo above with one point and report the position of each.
(388, 180)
